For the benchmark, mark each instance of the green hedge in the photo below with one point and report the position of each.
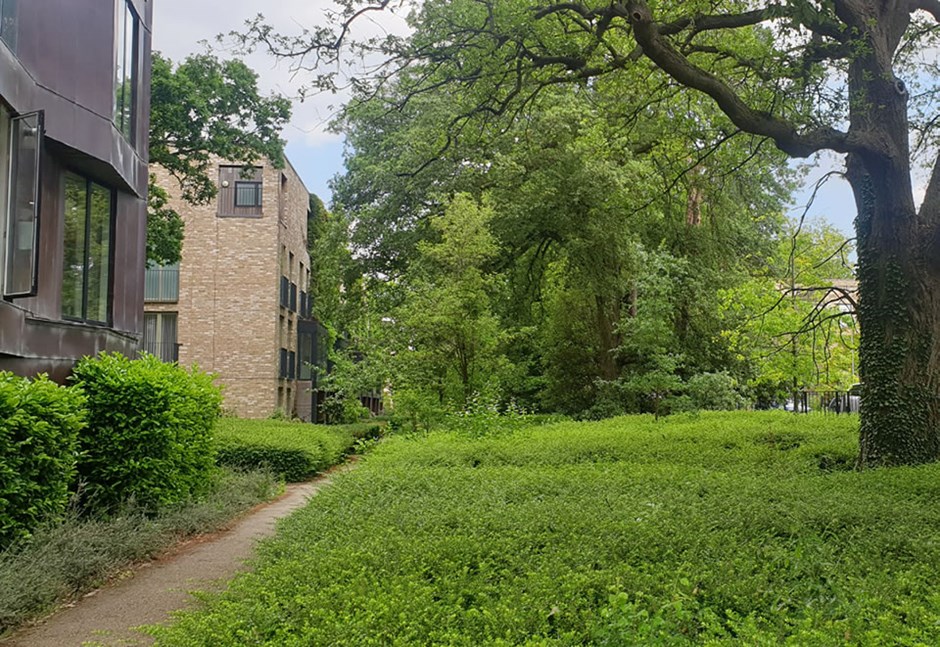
(295, 451)
(149, 433)
(39, 425)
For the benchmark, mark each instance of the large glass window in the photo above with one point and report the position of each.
(87, 268)
(126, 54)
(22, 141)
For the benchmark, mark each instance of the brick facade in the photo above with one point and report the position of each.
(230, 319)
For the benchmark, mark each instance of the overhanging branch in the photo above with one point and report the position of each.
(649, 37)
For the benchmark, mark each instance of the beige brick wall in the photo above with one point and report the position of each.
(230, 321)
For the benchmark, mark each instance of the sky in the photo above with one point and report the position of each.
(183, 27)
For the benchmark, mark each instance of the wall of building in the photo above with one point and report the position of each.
(60, 59)
(230, 321)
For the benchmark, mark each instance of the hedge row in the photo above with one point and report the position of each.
(146, 435)
(292, 450)
(39, 425)
(149, 431)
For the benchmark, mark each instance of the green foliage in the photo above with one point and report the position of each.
(715, 392)
(149, 435)
(66, 559)
(705, 529)
(294, 451)
(201, 109)
(39, 426)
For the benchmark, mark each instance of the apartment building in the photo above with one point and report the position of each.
(74, 114)
(237, 303)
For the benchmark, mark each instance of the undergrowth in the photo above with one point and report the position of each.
(716, 529)
(62, 561)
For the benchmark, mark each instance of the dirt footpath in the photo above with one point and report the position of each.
(109, 615)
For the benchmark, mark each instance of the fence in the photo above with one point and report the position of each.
(824, 401)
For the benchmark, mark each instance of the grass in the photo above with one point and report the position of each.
(61, 562)
(293, 450)
(718, 529)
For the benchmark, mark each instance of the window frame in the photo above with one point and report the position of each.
(112, 220)
(9, 198)
(124, 11)
(258, 194)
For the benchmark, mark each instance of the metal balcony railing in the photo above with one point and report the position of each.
(162, 284)
(165, 351)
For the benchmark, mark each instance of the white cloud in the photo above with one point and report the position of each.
(184, 27)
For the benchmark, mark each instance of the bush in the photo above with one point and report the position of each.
(295, 451)
(149, 431)
(714, 391)
(39, 425)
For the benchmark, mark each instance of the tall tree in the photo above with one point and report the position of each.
(808, 75)
(201, 109)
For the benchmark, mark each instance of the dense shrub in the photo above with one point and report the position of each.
(715, 392)
(722, 529)
(39, 425)
(149, 433)
(295, 451)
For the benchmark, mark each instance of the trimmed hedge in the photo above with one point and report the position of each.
(39, 425)
(295, 451)
(149, 433)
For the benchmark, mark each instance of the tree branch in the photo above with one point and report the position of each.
(797, 144)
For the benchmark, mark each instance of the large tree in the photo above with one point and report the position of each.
(808, 75)
(201, 109)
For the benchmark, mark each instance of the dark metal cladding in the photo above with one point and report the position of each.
(60, 57)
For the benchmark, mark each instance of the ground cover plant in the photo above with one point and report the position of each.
(63, 560)
(293, 450)
(718, 528)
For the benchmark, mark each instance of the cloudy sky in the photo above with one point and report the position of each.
(182, 27)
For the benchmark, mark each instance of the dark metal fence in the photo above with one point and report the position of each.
(165, 351)
(823, 401)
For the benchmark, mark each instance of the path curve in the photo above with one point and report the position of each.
(109, 615)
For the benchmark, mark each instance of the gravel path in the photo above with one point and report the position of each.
(109, 615)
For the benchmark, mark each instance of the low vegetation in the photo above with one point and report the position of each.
(720, 528)
(149, 434)
(61, 561)
(294, 451)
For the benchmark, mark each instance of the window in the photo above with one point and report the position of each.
(285, 292)
(291, 363)
(21, 141)
(86, 272)
(126, 52)
(160, 330)
(248, 194)
(240, 191)
(292, 306)
(8, 23)
(305, 355)
(283, 363)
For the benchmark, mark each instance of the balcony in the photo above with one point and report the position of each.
(162, 284)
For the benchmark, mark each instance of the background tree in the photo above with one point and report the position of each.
(204, 108)
(807, 75)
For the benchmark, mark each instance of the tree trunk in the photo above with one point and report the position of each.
(607, 319)
(900, 324)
